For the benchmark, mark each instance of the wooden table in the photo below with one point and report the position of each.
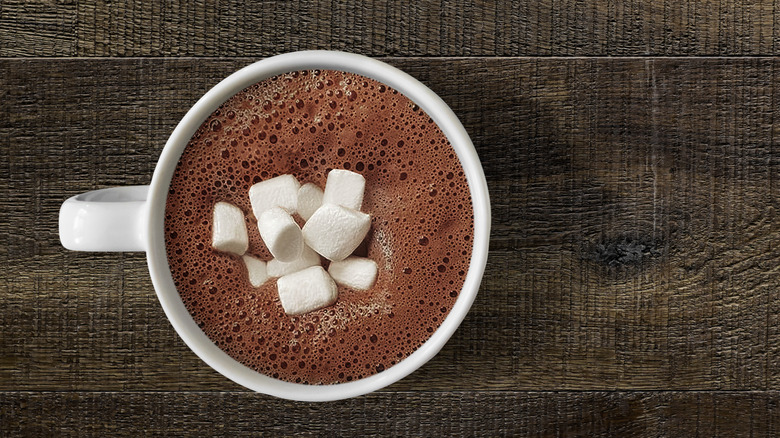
(631, 154)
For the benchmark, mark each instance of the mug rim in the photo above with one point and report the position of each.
(157, 259)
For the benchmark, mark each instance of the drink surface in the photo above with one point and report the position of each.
(305, 124)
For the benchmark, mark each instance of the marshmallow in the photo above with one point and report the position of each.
(256, 269)
(308, 258)
(335, 231)
(306, 290)
(281, 191)
(355, 272)
(229, 229)
(344, 188)
(309, 200)
(281, 234)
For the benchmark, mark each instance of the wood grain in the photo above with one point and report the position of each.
(390, 28)
(595, 414)
(634, 239)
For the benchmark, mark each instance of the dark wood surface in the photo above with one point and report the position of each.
(451, 413)
(386, 27)
(634, 274)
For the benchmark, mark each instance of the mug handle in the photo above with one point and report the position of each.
(111, 219)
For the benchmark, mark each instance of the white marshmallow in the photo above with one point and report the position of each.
(306, 290)
(281, 191)
(309, 200)
(355, 272)
(335, 231)
(281, 234)
(308, 258)
(344, 188)
(257, 270)
(229, 229)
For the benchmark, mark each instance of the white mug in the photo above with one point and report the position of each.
(131, 219)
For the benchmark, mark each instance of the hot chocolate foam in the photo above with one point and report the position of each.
(305, 124)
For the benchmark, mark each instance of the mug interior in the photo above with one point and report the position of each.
(167, 293)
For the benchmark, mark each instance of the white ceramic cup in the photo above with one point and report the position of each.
(131, 219)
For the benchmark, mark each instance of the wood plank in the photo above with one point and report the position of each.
(383, 28)
(38, 29)
(634, 243)
(600, 414)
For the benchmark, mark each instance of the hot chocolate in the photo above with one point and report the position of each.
(305, 124)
